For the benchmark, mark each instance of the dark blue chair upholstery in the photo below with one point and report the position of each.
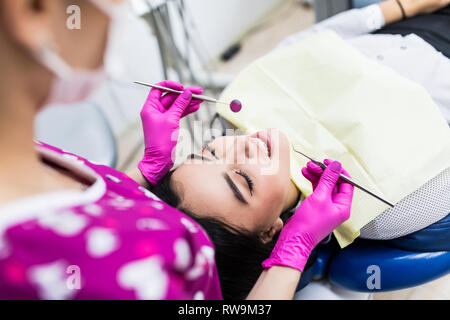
(399, 269)
(433, 238)
(405, 262)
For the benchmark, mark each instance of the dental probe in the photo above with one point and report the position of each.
(235, 105)
(346, 179)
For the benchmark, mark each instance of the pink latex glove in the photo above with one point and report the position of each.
(318, 215)
(313, 172)
(161, 117)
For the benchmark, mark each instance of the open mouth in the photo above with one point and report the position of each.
(263, 145)
(263, 139)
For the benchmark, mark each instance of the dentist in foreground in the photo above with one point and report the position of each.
(71, 229)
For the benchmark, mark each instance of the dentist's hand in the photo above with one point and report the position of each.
(318, 215)
(161, 117)
(313, 172)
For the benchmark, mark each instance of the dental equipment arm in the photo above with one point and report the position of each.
(161, 117)
(318, 215)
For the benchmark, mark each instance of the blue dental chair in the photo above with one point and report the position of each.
(402, 263)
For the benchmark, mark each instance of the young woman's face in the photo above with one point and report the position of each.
(242, 180)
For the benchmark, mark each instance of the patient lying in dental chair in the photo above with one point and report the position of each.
(386, 130)
(242, 210)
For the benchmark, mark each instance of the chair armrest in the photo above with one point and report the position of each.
(355, 267)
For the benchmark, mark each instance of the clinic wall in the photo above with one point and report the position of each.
(219, 23)
(222, 22)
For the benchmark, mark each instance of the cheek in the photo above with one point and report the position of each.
(272, 198)
(276, 187)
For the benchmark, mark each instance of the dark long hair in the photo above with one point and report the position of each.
(239, 253)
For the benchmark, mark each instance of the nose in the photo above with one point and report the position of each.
(245, 149)
(251, 148)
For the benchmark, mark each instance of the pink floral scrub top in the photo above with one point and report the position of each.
(115, 240)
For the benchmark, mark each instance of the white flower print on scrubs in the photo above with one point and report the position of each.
(123, 241)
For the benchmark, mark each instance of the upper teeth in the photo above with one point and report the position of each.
(263, 145)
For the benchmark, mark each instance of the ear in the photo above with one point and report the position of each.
(26, 22)
(267, 236)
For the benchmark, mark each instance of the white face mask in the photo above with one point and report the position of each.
(74, 85)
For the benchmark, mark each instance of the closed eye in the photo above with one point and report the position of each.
(238, 195)
(247, 179)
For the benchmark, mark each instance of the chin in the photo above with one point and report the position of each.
(285, 146)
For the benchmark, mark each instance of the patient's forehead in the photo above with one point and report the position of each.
(201, 192)
(193, 179)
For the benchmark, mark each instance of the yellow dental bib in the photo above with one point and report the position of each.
(333, 102)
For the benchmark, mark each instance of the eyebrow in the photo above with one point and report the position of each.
(198, 157)
(234, 188)
(207, 147)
